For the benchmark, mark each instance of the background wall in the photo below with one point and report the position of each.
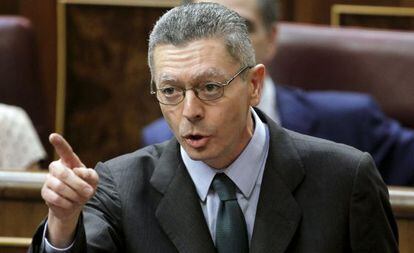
(318, 11)
(107, 85)
(99, 63)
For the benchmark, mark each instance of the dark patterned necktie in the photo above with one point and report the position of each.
(231, 232)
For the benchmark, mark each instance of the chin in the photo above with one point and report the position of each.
(199, 155)
(195, 154)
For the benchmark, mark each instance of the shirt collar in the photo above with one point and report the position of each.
(243, 171)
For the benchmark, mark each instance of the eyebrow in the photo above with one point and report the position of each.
(199, 77)
(165, 78)
(210, 73)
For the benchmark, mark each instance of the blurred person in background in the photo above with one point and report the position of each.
(350, 118)
(20, 147)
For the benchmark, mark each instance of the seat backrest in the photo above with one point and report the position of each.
(377, 62)
(19, 78)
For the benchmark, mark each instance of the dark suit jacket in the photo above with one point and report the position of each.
(316, 196)
(350, 118)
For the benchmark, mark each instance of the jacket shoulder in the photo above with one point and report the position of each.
(141, 162)
(327, 159)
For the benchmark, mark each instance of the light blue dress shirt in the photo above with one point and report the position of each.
(246, 172)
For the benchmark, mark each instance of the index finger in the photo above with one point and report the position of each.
(65, 151)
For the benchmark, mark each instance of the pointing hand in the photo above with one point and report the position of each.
(68, 186)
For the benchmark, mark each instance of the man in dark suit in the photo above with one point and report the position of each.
(350, 118)
(231, 180)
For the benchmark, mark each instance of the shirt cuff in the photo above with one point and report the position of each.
(49, 248)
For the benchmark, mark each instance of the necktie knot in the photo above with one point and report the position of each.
(224, 187)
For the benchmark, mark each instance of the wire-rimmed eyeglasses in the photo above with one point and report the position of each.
(173, 95)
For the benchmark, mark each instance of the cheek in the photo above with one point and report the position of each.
(172, 116)
(231, 117)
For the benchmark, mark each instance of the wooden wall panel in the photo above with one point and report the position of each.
(8, 7)
(318, 11)
(380, 22)
(384, 17)
(107, 85)
(43, 16)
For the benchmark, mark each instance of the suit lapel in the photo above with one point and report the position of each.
(179, 212)
(278, 214)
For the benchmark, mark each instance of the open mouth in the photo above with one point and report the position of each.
(196, 140)
(195, 137)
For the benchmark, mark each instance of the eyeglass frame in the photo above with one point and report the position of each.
(184, 91)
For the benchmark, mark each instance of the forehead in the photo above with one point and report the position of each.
(192, 58)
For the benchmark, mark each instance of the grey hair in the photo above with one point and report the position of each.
(268, 9)
(191, 22)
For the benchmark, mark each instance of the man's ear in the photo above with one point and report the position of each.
(256, 79)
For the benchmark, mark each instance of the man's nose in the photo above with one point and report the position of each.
(193, 108)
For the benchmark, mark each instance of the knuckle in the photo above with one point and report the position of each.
(48, 179)
(57, 200)
(46, 193)
(94, 176)
(62, 173)
(52, 199)
(59, 187)
(53, 165)
(77, 170)
(83, 172)
(86, 173)
(87, 193)
(83, 199)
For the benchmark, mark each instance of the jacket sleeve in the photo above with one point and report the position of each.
(38, 244)
(102, 216)
(372, 224)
